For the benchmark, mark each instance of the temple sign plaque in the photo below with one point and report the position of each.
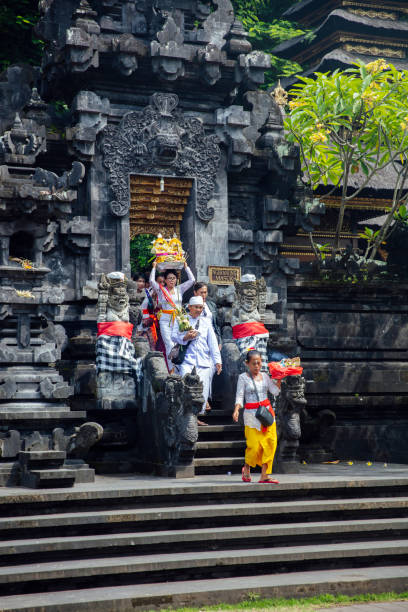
(224, 275)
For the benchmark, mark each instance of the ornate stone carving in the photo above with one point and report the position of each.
(375, 51)
(251, 301)
(169, 53)
(113, 300)
(91, 112)
(290, 403)
(374, 14)
(23, 142)
(185, 400)
(83, 439)
(160, 140)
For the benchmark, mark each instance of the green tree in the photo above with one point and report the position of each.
(262, 20)
(18, 42)
(140, 253)
(349, 121)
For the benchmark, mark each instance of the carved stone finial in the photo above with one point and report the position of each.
(238, 40)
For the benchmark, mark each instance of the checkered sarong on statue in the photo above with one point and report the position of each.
(257, 342)
(117, 354)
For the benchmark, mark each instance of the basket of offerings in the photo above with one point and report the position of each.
(285, 367)
(168, 253)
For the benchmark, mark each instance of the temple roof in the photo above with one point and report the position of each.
(311, 12)
(336, 59)
(344, 27)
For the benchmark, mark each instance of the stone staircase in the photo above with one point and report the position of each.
(221, 444)
(161, 545)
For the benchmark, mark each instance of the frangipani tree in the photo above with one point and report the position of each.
(349, 121)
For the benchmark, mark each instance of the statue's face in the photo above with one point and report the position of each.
(249, 297)
(295, 393)
(118, 298)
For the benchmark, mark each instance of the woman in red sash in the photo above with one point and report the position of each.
(169, 298)
(261, 442)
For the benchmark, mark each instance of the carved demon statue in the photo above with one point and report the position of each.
(168, 418)
(290, 405)
(116, 365)
(247, 316)
(185, 400)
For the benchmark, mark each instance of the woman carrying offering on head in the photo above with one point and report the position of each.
(252, 391)
(169, 297)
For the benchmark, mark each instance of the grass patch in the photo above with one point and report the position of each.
(254, 603)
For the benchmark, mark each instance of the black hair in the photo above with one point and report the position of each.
(252, 353)
(140, 276)
(198, 286)
(167, 272)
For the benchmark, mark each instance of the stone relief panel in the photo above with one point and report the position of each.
(160, 140)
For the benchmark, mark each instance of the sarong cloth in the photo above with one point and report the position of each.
(115, 351)
(252, 335)
(260, 446)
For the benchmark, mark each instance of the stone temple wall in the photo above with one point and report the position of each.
(353, 343)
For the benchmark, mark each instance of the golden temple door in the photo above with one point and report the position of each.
(157, 204)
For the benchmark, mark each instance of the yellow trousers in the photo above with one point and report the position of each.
(261, 447)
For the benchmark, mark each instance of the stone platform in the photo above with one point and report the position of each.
(319, 474)
(141, 543)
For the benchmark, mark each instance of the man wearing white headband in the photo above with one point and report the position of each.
(202, 352)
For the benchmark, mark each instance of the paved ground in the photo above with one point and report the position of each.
(342, 471)
(396, 606)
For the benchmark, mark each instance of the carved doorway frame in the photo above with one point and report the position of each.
(187, 223)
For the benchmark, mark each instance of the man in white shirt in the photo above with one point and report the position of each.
(203, 352)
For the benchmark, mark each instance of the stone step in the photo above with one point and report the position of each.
(199, 539)
(215, 445)
(48, 478)
(219, 428)
(32, 460)
(220, 412)
(218, 462)
(201, 515)
(159, 493)
(49, 412)
(181, 594)
(59, 575)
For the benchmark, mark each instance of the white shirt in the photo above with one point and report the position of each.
(177, 296)
(203, 351)
(246, 394)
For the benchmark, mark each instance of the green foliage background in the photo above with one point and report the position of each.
(262, 20)
(140, 254)
(18, 42)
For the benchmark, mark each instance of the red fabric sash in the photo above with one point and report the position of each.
(155, 323)
(168, 297)
(255, 406)
(243, 330)
(278, 371)
(115, 328)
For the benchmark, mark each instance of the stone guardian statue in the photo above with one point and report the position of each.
(116, 365)
(247, 316)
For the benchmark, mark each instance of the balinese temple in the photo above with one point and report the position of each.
(344, 32)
